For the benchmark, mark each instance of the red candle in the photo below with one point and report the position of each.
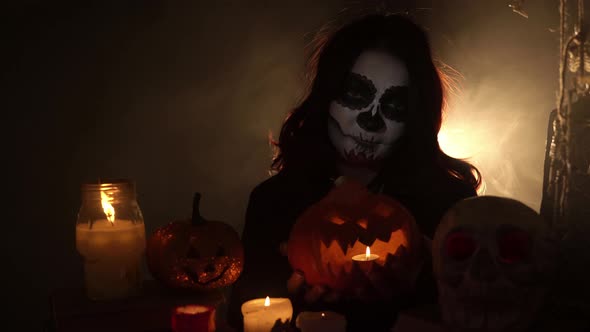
(193, 318)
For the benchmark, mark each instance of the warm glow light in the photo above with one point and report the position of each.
(367, 257)
(323, 315)
(192, 309)
(108, 209)
(496, 134)
(267, 302)
(457, 143)
(461, 144)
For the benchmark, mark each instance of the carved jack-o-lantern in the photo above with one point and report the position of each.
(341, 225)
(198, 254)
(492, 258)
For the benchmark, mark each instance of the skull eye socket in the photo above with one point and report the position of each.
(513, 246)
(357, 92)
(460, 245)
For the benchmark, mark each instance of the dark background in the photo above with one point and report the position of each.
(181, 96)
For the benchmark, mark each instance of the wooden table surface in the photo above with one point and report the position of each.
(151, 311)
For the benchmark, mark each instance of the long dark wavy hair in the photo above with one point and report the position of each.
(303, 144)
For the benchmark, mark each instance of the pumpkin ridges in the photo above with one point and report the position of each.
(168, 248)
(348, 203)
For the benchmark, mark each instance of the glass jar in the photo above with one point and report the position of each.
(110, 237)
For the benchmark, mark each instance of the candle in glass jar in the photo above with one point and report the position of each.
(260, 315)
(323, 321)
(112, 253)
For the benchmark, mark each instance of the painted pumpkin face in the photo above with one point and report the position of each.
(343, 224)
(201, 255)
(492, 258)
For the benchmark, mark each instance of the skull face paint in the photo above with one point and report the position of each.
(491, 260)
(368, 114)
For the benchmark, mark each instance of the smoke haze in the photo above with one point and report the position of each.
(180, 98)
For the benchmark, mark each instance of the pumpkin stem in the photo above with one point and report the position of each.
(197, 219)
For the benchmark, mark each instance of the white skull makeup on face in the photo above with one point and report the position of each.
(368, 114)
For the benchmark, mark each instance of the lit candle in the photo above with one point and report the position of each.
(193, 318)
(112, 257)
(112, 249)
(260, 315)
(365, 261)
(367, 256)
(326, 321)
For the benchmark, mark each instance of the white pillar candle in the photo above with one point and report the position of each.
(322, 321)
(261, 317)
(112, 254)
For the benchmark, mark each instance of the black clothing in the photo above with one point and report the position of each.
(273, 208)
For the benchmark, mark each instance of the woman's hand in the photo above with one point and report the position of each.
(380, 289)
(311, 294)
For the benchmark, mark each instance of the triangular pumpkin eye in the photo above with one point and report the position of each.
(364, 223)
(337, 220)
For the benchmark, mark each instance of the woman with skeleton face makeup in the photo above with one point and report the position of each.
(372, 112)
(368, 115)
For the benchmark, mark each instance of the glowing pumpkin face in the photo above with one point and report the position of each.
(342, 225)
(197, 255)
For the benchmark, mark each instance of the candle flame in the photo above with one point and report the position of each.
(108, 209)
(267, 301)
(368, 253)
(323, 315)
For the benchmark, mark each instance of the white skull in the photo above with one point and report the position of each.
(492, 259)
(368, 114)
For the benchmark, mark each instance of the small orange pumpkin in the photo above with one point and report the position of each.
(198, 254)
(341, 225)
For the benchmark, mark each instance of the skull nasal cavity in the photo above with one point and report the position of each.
(483, 267)
(368, 122)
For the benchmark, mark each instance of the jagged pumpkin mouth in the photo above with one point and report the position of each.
(336, 255)
(199, 273)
